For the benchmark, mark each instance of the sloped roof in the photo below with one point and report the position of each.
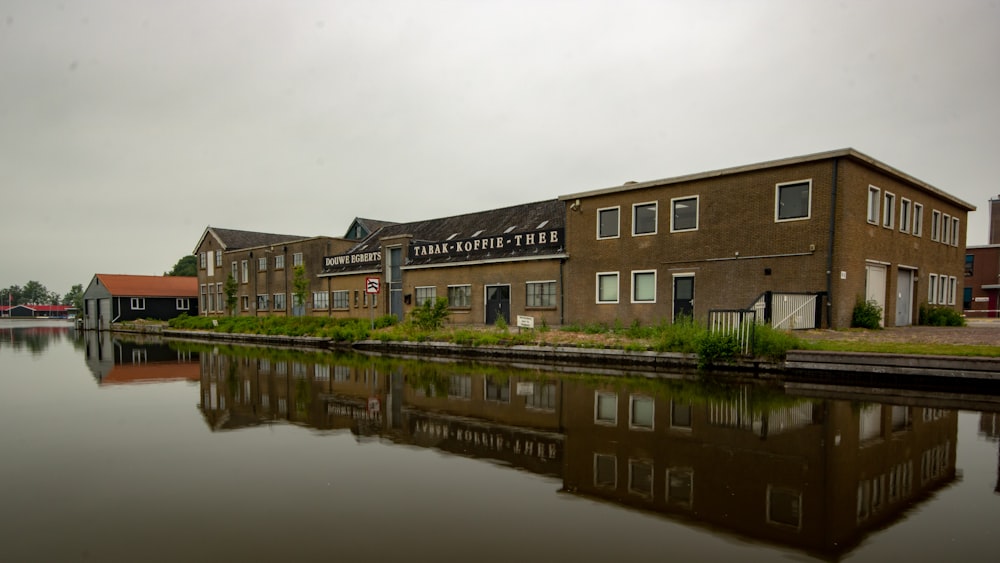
(125, 285)
(370, 225)
(234, 239)
(507, 221)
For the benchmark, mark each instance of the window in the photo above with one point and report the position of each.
(296, 259)
(870, 423)
(607, 287)
(918, 220)
(932, 289)
(644, 286)
(541, 294)
(680, 486)
(955, 232)
(784, 506)
(904, 215)
(236, 271)
(542, 397)
(218, 258)
(901, 420)
(245, 299)
(279, 301)
(683, 214)
(204, 261)
(946, 229)
(970, 264)
(873, 202)
(605, 408)
(605, 471)
(952, 289)
(497, 390)
(460, 386)
(183, 304)
(321, 300)
(644, 219)
(680, 415)
(888, 210)
(607, 222)
(942, 289)
(425, 295)
(138, 304)
(279, 262)
(219, 299)
(341, 299)
(246, 271)
(935, 224)
(966, 297)
(641, 412)
(262, 264)
(791, 201)
(640, 477)
(203, 303)
(261, 302)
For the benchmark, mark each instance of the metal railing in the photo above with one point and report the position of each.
(736, 322)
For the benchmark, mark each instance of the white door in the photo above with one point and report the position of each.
(904, 297)
(875, 287)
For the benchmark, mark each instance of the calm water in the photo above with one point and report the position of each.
(123, 450)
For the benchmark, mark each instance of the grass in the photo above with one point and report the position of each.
(922, 349)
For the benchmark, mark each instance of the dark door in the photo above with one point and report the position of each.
(683, 297)
(394, 279)
(497, 303)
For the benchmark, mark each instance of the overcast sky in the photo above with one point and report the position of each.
(128, 126)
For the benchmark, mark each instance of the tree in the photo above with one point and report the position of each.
(75, 297)
(186, 266)
(300, 286)
(35, 292)
(230, 289)
(11, 295)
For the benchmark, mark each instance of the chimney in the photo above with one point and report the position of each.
(995, 220)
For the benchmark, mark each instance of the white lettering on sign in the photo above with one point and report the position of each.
(523, 240)
(352, 259)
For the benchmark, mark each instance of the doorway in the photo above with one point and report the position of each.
(497, 303)
(875, 287)
(904, 297)
(683, 296)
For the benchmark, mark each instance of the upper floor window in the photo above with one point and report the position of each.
(792, 201)
(607, 222)
(246, 271)
(262, 264)
(218, 259)
(970, 263)
(955, 232)
(888, 209)
(918, 220)
(684, 214)
(946, 229)
(644, 218)
(204, 260)
(935, 224)
(296, 259)
(904, 215)
(279, 261)
(873, 204)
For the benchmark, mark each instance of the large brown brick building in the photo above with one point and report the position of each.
(981, 296)
(839, 225)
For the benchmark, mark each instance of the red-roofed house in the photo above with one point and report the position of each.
(112, 298)
(36, 311)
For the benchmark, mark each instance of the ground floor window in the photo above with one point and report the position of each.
(246, 302)
(321, 300)
(261, 302)
(183, 304)
(607, 287)
(279, 301)
(605, 471)
(459, 296)
(644, 287)
(541, 294)
(138, 304)
(341, 299)
(425, 294)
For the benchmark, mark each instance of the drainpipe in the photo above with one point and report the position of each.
(829, 249)
(562, 294)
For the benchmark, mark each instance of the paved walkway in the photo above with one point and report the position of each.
(979, 331)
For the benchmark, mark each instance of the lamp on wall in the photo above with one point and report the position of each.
(575, 206)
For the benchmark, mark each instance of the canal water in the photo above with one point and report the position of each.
(120, 449)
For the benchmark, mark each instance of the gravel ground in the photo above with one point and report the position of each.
(978, 331)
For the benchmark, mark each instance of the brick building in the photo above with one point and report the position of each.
(981, 296)
(489, 265)
(839, 225)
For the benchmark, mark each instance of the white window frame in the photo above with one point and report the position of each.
(952, 289)
(918, 220)
(218, 258)
(338, 294)
(432, 289)
(631, 412)
(183, 304)
(279, 261)
(597, 401)
(874, 204)
(935, 225)
(138, 303)
(618, 231)
(321, 300)
(956, 230)
(204, 261)
(945, 229)
(905, 211)
(888, 210)
(777, 200)
(468, 296)
(932, 289)
(296, 259)
(634, 299)
(697, 213)
(279, 297)
(942, 289)
(656, 218)
(245, 267)
(618, 292)
(262, 264)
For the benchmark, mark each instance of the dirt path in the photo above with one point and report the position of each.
(981, 332)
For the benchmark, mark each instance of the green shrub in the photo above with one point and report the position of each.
(940, 315)
(431, 314)
(717, 347)
(774, 344)
(867, 314)
(682, 336)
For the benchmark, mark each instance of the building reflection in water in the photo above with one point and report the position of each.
(116, 361)
(816, 475)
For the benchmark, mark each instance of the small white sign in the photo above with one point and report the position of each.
(525, 388)
(981, 299)
(525, 322)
